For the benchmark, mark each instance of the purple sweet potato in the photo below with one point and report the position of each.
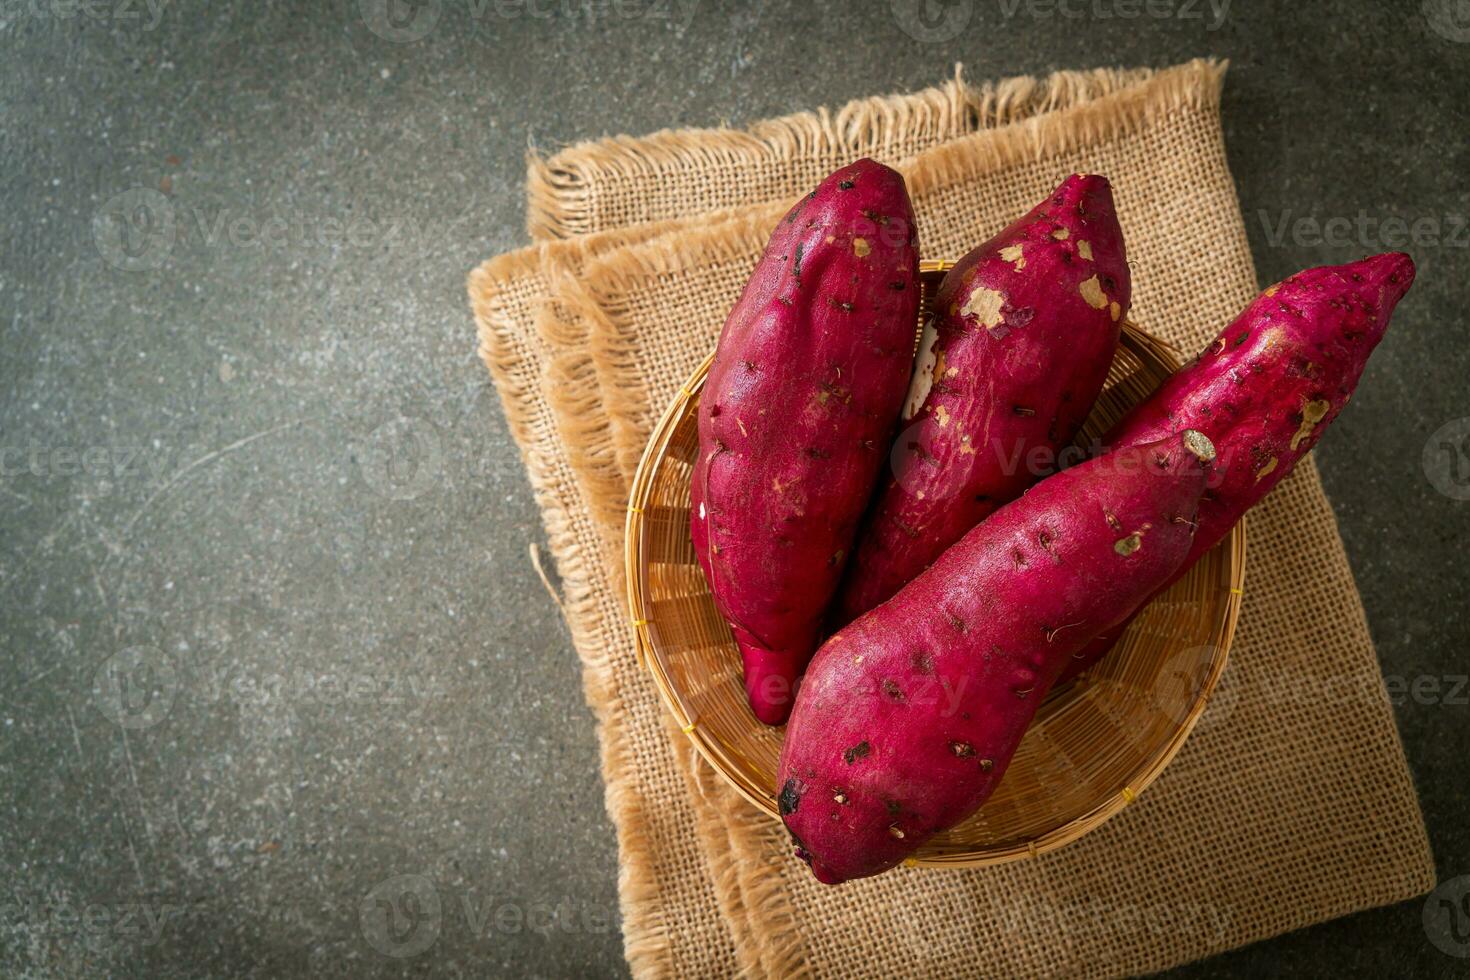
(1266, 388)
(1020, 345)
(796, 415)
(908, 717)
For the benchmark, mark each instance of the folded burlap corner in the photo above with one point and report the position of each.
(1280, 812)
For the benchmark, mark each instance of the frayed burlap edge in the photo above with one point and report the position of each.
(645, 936)
(768, 942)
(573, 395)
(574, 391)
(614, 335)
(560, 188)
(569, 320)
(1122, 111)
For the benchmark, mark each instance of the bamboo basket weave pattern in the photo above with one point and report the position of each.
(1095, 744)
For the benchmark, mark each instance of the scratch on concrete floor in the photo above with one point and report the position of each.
(179, 821)
(41, 676)
(47, 542)
(76, 736)
(205, 460)
(133, 852)
(133, 776)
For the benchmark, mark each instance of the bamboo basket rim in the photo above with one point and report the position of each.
(725, 760)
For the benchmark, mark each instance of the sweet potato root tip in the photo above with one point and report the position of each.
(1260, 390)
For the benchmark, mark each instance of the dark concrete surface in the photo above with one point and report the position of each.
(280, 693)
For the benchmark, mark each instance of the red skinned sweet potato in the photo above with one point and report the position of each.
(1266, 389)
(1024, 332)
(908, 717)
(796, 416)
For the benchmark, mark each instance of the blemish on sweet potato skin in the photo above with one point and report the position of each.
(984, 305)
(1312, 413)
(790, 797)
(1093, 293)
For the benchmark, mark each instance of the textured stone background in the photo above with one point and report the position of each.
(270, 634)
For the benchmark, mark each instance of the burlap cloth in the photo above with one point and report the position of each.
(1290, 804)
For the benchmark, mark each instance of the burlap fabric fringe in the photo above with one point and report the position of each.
(1286, 807)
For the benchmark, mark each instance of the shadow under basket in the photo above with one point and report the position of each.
(1095, 744)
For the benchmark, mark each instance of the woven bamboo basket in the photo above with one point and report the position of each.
(1095, 744)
